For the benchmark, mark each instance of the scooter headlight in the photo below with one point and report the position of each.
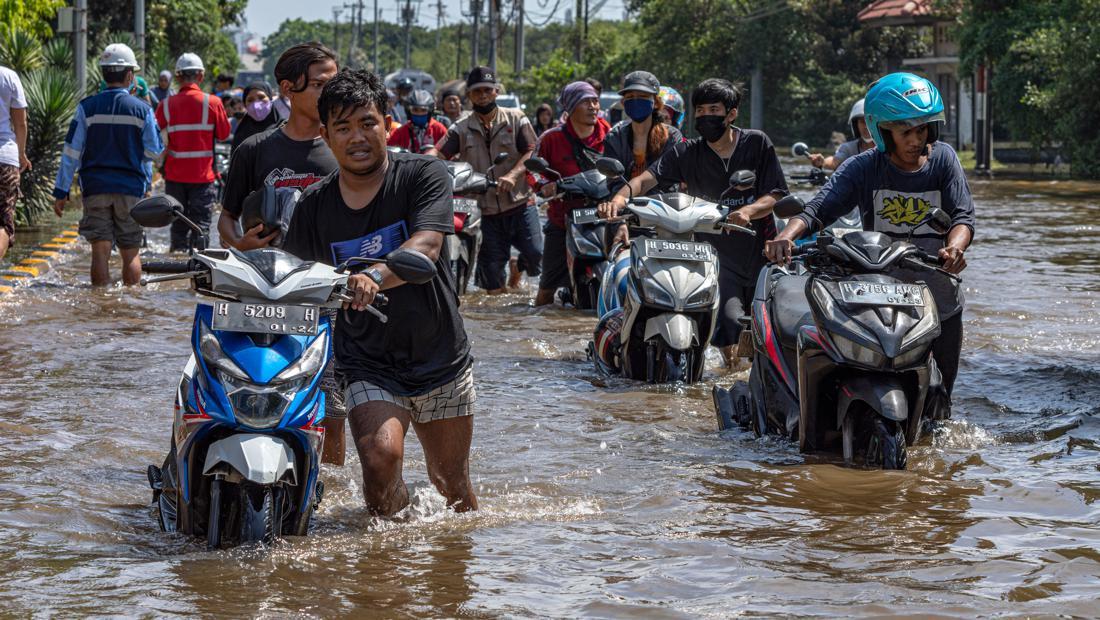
(260, 406)
(215, 357)
(702, 297)
(307, 365)
(856, 352)
(653, 294)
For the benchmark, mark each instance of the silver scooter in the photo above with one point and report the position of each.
(670, 308)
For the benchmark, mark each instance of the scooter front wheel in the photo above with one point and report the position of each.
(214, 520)
(260, 521)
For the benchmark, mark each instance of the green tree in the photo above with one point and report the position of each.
(30, 16)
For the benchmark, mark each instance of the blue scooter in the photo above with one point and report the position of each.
(247, 435)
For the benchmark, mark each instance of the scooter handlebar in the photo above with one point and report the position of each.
(166, 266)
(729, 226)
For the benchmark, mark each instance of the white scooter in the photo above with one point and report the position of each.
(660, 328)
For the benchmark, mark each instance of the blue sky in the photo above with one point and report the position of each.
(264, 16)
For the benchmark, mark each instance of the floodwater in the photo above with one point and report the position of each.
(597, 499)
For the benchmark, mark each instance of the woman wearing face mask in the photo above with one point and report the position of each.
(641, 138)
(259, 113)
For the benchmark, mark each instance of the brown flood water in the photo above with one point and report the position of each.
(597, 499)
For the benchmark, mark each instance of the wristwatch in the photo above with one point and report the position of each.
(375, 275)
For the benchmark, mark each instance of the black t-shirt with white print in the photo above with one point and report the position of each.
(424, 344)
(272, 157)
(708, 177)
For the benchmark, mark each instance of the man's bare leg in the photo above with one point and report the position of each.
(101, 263)
(379, 430)
(447, 450)
(515, 276)
(544, 297)
(5, 242)
(131, 266)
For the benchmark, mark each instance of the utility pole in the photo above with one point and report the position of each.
(139, 29)
(356, 19)
(519, 39)
(407, 16)
(374, 51)
(458, 51)
(578, 16)
(80, 45)
(494, 32)
(336, 11)
(756, 97)
(475, 46)
(438, 20)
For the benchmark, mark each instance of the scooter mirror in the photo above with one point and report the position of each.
(411, 266)
(799, 149)
(938, 220)
(156, 211)
(500, 159)
(610, 168)
(789, 206)
(742, 179)
(536, 164)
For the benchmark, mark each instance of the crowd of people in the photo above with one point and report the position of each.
(330, 141)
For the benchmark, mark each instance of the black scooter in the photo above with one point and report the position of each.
(841, 351)
(586, 256)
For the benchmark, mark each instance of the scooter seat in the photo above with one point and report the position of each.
(790, 308)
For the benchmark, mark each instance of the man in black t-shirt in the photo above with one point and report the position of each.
(416, 369)
(705, 165)
(291, 155)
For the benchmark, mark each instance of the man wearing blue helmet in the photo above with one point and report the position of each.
(908, 173)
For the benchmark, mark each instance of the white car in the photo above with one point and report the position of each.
(510, 100)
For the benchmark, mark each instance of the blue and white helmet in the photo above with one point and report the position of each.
(906, 100)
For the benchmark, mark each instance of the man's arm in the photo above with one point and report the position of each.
(960, 206)
(238, 186)
(19, 126)
(449, 145)
(70, 161)
(835, 199)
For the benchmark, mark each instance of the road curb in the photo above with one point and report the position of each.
(40, 261)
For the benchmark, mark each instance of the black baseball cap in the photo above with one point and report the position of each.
(641, 81)
(481, 77)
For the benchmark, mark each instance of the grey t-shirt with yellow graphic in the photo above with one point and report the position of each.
(891, 200)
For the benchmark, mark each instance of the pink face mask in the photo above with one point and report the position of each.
(259, 110)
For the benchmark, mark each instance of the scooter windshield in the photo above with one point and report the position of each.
(273, 264)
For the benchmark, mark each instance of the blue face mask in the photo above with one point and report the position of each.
(420, 120)
(638, 109)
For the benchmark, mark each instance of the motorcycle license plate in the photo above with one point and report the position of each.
(265, 318)
(878, 294)
(465, 205)
(677, 250)
(585, 216)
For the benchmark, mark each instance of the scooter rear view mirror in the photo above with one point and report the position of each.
(610, 168)
(156, 211)
(799, 149)
(743, 179)
(789, 206)
(411, 266)
(537, 165)
(938, 220)
(500, 159)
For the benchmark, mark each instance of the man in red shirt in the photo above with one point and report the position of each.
(192, 121)
(570, 148)
(420, 134)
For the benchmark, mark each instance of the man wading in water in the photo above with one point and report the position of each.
(416, 369)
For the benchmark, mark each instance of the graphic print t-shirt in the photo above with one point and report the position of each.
(272, 157)
(891, 201)
(708, 177)
(424, 343)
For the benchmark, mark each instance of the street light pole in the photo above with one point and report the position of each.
(80, 45)
(139, 29)
(475, 56)
(494, 29)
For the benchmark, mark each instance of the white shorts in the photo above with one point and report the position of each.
(450, 400)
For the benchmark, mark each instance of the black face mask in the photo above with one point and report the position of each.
(711, 127)
(485, 109)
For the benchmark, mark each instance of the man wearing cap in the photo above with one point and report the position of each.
(569, 148)
(507, 219)
(111, 179)
(192, 120)
(163, 89)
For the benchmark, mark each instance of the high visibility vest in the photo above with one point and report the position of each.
(190, 130)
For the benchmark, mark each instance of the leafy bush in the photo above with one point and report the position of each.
(51, 103)
(20, 51)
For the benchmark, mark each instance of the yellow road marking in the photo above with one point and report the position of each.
(45, 253)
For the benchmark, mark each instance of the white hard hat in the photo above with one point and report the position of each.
(118, 55)
(857, 111)
(189, 62)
